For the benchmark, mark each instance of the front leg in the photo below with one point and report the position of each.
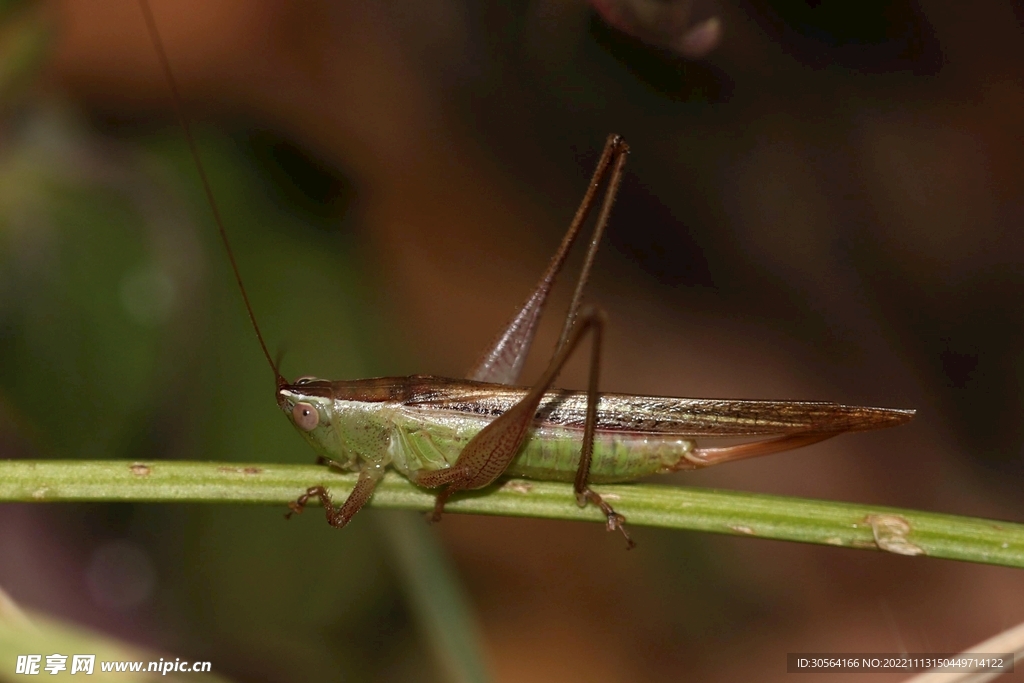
(339, 516)
(332, 464)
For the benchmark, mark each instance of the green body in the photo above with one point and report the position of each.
(420, 424)
(415, 438)
(418, 443)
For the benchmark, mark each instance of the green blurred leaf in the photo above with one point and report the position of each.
(43, 635)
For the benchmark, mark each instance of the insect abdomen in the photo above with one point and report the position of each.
(550, 453)
(554, 454)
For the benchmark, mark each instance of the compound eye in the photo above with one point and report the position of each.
(305, 380)
(305, 416)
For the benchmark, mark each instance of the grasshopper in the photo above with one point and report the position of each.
(463, 434)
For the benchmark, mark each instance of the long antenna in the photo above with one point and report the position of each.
(166, 64)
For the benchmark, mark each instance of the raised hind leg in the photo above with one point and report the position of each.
(489, 453)
(503, 361)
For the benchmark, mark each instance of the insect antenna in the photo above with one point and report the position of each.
(183, 121)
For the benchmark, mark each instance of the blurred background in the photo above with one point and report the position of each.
(824, 201)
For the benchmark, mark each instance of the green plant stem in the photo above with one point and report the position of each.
(437, 597)
(851, 525)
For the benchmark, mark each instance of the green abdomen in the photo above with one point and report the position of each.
(549, 453)
(554, 454)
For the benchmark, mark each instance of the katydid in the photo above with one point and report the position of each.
(458, 435)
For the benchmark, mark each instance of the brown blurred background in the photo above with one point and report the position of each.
(827, 205)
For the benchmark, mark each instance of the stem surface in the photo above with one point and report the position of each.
(851, 525)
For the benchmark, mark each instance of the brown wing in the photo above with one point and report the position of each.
(657, 414)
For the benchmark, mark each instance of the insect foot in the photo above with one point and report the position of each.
(443, 495)
(297, 506)
(617, 521)
(614, 519)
